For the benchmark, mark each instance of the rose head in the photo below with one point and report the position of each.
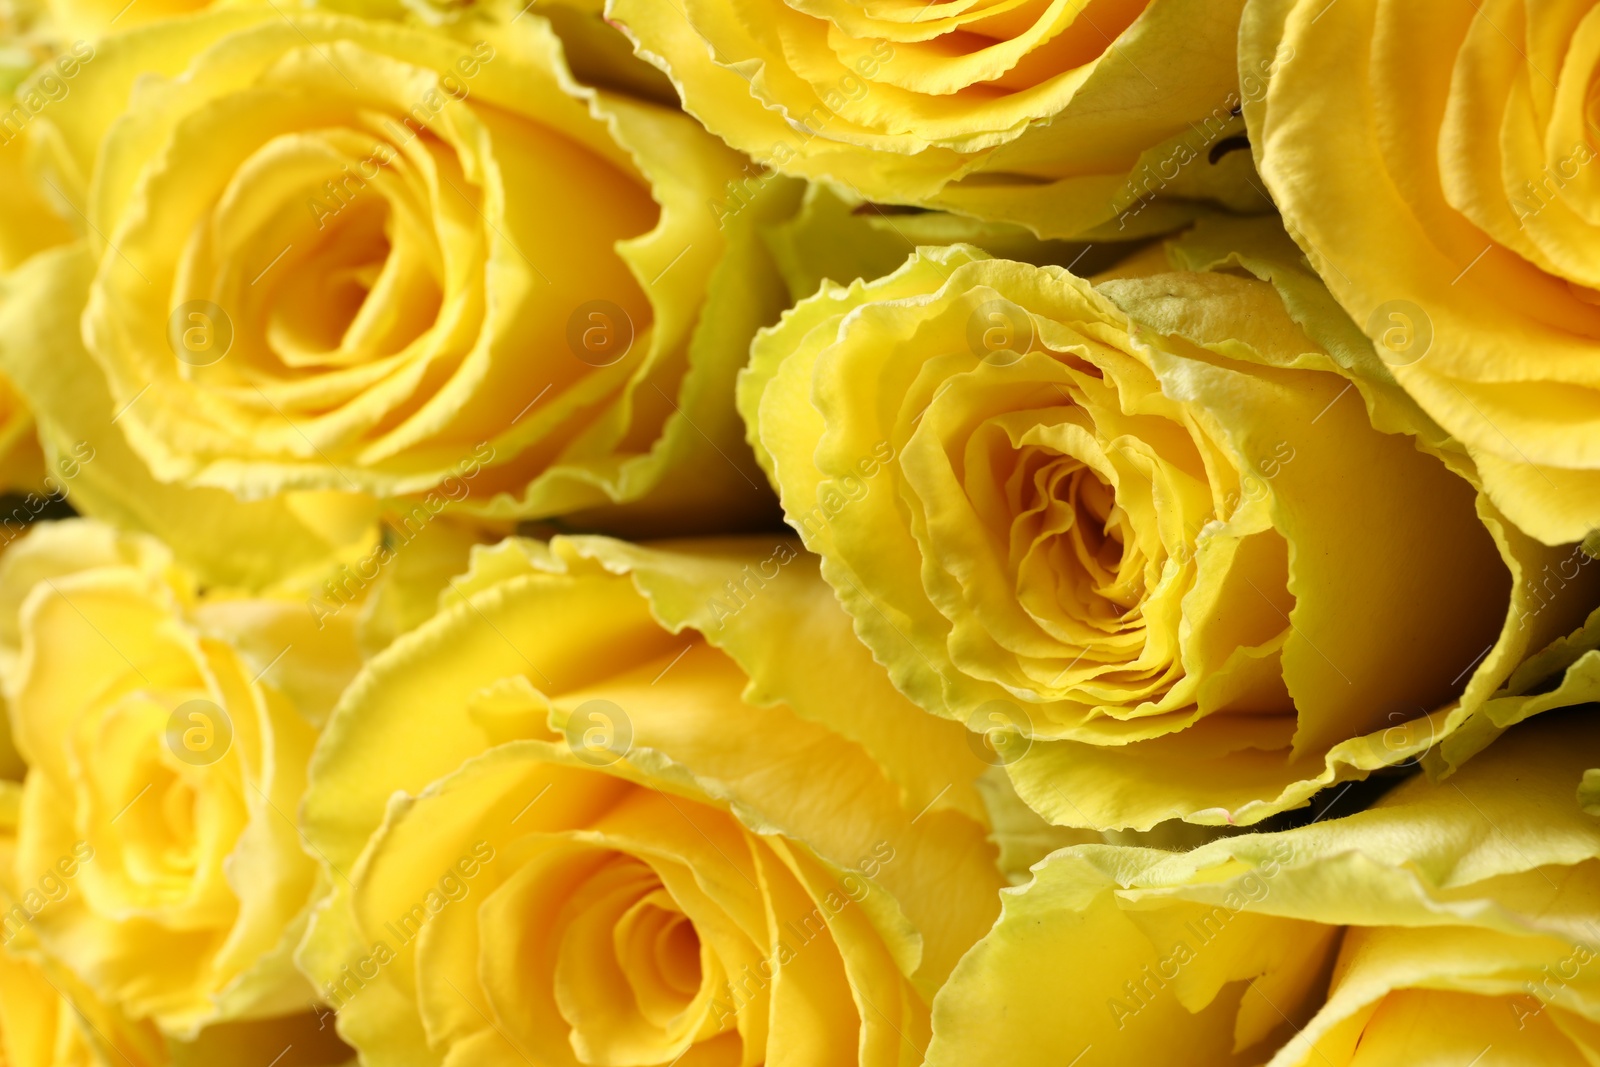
(1436, 162)
(48, 1018)
(634, 805)
(1161, 542)
(1063, 117)
(336, 255)
(166, 741)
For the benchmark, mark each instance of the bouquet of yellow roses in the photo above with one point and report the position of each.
(633, 533)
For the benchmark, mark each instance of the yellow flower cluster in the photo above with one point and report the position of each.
(611, 533)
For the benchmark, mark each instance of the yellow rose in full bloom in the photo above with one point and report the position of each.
(1138, 534)
(641, 805)
(1437, 163)
(1454, 923)
(1071, 118)
(166, 734)
(354, 257)
(225, 540)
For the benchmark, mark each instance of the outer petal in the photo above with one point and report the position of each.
(1065, 120)
(1470, 886)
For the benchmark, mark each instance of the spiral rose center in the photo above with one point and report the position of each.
(317, 309)
(659, 952)
(630, 969)
(157, 815)
(1096, 555)
(1071, 551)
(323, 254)
(157, 820)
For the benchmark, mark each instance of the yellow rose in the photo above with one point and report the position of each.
(354, 257)
(47, 1017)
(631, 805)
(1068, 118)
(1435, 160)
(166, 735)
(1138, 536)
(1451, 924)
(224, 540)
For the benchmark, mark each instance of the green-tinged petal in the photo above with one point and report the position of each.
(839, 238)
(1481, 885)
